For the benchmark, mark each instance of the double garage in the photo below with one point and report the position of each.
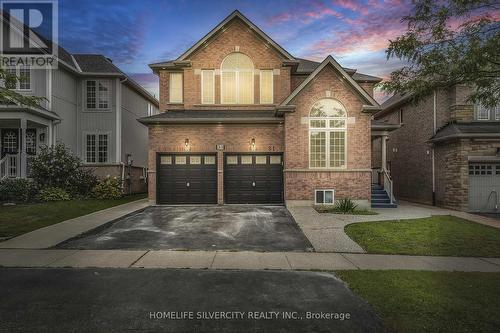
(248, 178)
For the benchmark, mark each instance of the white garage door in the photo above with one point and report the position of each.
(484, 187)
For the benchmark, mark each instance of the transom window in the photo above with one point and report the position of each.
(96, 148)
(237, 79)
(327, 134)
(97, 92)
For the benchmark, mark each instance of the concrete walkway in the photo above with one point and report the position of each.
(54, 234)
(326, 231)
(240, 260)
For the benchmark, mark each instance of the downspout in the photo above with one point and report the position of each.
(432, 150)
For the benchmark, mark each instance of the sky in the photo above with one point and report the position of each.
(135, 33)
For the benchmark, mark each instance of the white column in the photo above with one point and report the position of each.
(22, 135)
(384, 152)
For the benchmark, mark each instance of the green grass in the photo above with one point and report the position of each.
(333, 210)
(412, 301)
(19, 219)
(435, 236)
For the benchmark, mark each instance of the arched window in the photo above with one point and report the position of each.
(237, 79)
(327, 134)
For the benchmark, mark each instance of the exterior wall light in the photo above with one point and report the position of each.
(252, 145)
(187, 146)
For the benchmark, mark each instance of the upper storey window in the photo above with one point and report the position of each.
(484, 113)
(97, 92)
(237, 79)
(175, 84)
(23, 78)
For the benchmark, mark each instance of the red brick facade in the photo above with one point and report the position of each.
(290, 137)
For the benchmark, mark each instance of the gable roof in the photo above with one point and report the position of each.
(234, 15)
(372, 106)
(307, 66)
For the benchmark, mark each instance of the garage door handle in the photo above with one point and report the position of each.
(253, 184)
(187, 185)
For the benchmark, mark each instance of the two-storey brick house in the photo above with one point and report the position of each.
(243, 121)
(446, 151)
(89, 105)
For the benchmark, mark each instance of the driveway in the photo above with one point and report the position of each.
(257, 228)
(119, 300)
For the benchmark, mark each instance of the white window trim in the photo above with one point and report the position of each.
(84, 151)
(97, 108)
(324, 190)
(272, 86)
(213, 85)
(18, 83)
(477, 107)
(327, 130)
(497, 112)
(170, 88)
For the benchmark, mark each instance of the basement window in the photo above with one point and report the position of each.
(324, 197)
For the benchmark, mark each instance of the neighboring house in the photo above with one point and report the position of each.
(446, 151)
(91, 107)
(244, 121)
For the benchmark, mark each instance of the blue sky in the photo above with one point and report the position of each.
(135, 33)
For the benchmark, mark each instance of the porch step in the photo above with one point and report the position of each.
(380, 198)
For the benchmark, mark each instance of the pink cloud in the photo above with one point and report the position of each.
(352, 6)
(315, 10)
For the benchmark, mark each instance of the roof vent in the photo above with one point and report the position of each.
(109, 59)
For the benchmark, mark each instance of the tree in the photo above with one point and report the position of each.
(9, 96)
(446, 43)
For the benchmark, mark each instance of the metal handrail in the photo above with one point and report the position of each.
(388, 185)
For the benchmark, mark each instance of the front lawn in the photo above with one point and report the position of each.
(434, 236)
(413, 301)
(20, 219)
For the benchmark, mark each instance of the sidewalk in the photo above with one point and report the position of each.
(240, 260)
(54, 234)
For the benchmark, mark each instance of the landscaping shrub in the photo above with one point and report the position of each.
(58, 167)
(53, 194)
(345, 206)
(82, 182)
(17, 190)
(107, 188)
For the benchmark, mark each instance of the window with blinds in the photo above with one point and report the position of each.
(237, 79)
(207, 87)
(266, 86)
(175, 84)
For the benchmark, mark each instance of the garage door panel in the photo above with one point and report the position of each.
(252, 179)
(484, 186)
(174, 177)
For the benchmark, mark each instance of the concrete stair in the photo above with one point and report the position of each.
(380, 198)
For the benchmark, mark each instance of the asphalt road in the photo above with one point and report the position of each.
(139, 300)
(231, 227)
